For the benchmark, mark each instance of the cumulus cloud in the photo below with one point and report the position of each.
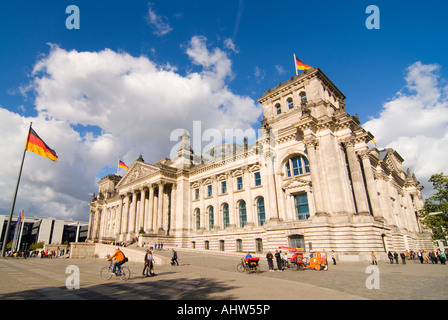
(95, 108)
(415, 123)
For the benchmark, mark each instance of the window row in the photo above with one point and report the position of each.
(295, 241)
(242, 215)
(223, 186)
(301, 209)
(290, 103)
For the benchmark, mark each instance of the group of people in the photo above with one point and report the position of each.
(432, 256)
(148, 269)
(281, 260)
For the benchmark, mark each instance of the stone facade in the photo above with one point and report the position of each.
(310, 180)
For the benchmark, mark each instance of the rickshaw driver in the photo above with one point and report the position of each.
(120, 259)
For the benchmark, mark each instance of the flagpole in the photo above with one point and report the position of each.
(295, 65)
(5, 238)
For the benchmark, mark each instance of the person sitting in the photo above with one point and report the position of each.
(120, 259)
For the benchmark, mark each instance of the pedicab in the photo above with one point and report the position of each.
(308, 260)
(248, 265)
(315, 260)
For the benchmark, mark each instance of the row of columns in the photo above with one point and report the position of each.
(138, 211)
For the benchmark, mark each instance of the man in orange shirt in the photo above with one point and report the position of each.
(119, 257)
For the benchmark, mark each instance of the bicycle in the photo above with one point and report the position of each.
(122, 272)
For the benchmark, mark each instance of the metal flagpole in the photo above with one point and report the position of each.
(8, 226)
(295, 65)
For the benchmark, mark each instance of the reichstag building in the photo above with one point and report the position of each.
(310, 180)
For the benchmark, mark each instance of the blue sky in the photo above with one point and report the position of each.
(240, 48)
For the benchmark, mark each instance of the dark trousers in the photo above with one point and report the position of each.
(116, 264)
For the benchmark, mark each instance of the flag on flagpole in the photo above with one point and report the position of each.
(35, 144)
(121, 164)
(300, 65)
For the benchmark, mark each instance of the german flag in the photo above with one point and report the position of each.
(35, 144)
(121, 164)
(300, 65)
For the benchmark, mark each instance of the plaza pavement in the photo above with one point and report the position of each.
(205, 276)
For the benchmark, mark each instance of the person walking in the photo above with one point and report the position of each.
(174, 258)
(374, 258)
(270, 259)
(145, 271)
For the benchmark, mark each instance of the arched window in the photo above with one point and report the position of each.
(278, 108)
(225, 215)
(297, 166)
(290, 103)
(242, 213)
(197, 212)
(211, 218)
(260, 211)
(302, 96)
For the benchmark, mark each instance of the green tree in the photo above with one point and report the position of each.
(434, 214)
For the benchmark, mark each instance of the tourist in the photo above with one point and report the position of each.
(391, 257)
(403, 257)
(270, 259)
(396, 257)
(420, 256)
(146, 267)
(278, 258)
(442, 257)
(333, 257)
(374, 258)
(174, 258)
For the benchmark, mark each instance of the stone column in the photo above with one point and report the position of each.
(310, 144)
(357, 179)
(124, 226)
(160, 207)
(150, 209)
(142, 215)
(371, 185)
(91, 224)
(132, 212)
(119, 217)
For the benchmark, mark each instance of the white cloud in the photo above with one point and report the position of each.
(133, 104)
(415, 123)
(159, 23)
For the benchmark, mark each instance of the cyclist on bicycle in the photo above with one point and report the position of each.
(120, 259)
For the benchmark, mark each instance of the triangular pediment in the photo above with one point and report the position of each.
(137, 172)
(296, 183)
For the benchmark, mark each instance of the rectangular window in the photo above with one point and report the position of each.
(257, 177)
(239, 183)
(224, 187)
(196, 194)
(301, 206)
(209, 190)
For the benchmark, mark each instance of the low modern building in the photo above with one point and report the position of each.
(310, 180)
(46, 230)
